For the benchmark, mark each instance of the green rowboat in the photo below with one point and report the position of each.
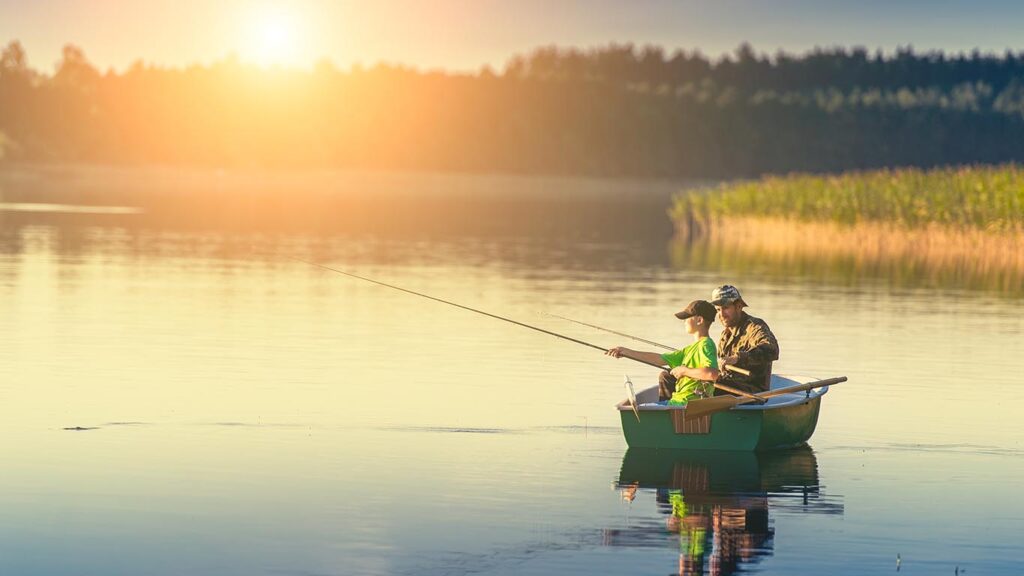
(783, 421)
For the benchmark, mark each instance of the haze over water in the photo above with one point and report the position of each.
(246, 413)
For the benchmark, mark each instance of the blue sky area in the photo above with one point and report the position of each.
(466, 34)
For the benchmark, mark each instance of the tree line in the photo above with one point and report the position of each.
(617, 110)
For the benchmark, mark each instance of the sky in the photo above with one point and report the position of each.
(464, 35)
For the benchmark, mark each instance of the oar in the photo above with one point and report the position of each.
(631, 396)
(747, 395)
(703, 407)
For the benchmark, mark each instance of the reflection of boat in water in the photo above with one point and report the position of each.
(783, 421)
(718, 503)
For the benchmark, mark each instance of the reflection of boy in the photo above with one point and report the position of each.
(692, 369)
(692, 529)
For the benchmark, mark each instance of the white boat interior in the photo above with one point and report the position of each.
(647, 399)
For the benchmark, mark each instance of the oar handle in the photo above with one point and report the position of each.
(738, 392)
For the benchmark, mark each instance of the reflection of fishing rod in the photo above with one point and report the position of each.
(729, 367)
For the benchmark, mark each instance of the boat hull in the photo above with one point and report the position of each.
(776, 425)
(711, 472)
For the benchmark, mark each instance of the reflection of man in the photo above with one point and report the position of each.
(746, 342)
(741, 533)
(737, 525)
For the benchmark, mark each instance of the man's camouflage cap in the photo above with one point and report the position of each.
(724, 295)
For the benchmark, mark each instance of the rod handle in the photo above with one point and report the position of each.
(736, 369)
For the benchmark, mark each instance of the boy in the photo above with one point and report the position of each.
(692, 369)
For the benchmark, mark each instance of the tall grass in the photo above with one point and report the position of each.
(943, 227)
(989, 198)
(934, 256)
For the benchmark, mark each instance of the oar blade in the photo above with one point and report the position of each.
(704, 406)
(631, 394)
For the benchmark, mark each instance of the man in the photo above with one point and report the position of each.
(692, 369)
(746, 342)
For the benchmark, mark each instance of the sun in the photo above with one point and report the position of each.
(274, 37)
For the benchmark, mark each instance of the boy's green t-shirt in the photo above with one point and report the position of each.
(700, 354)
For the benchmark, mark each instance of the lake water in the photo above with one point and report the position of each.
(234, 411)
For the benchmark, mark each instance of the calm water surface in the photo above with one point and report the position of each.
(244, 413)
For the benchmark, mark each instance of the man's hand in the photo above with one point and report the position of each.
(618, 352)
(730, 360)
(678, 372)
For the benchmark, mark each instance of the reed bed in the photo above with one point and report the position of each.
(979, 197)
(960, 222)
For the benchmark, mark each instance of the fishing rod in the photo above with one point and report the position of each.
(497, 317)
(443, 301)
(729, 367)
(637, 338)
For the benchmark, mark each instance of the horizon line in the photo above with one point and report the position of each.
(772, 57)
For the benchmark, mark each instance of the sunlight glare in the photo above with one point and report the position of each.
(274, 37)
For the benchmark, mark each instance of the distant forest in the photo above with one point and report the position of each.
(618, 110)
